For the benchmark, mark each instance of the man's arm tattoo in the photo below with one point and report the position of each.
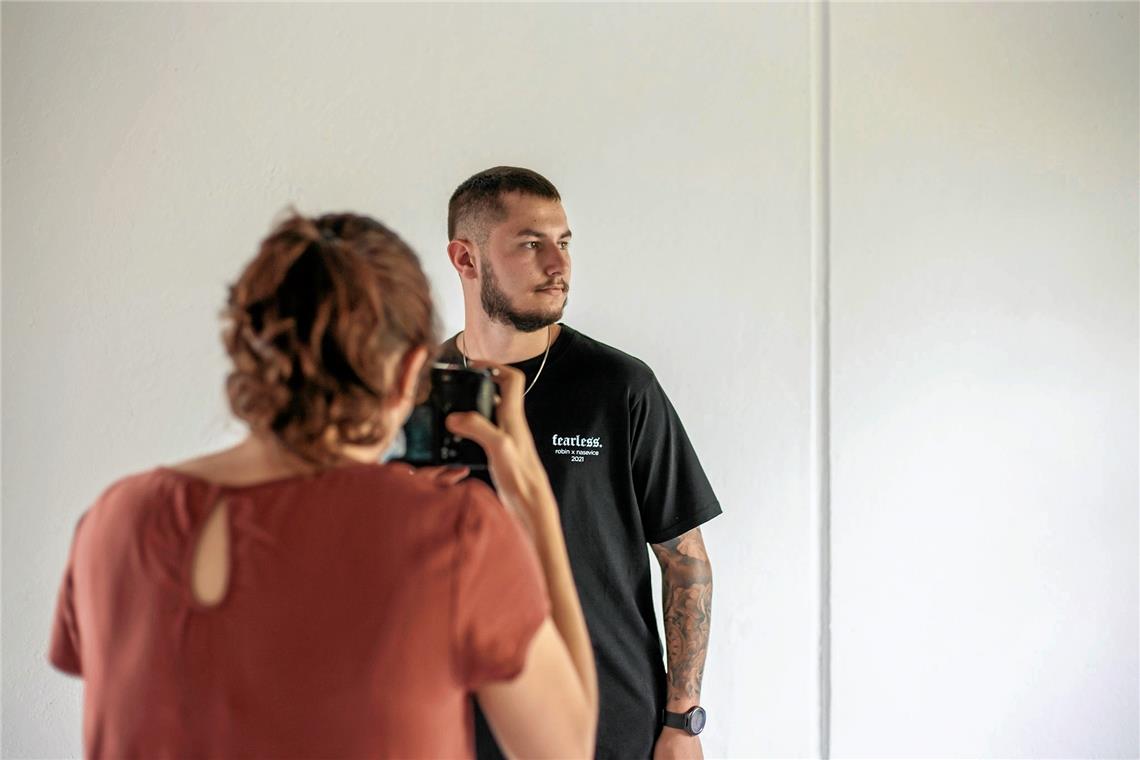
(686, 590)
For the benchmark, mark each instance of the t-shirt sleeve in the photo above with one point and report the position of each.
(501, 597)
(64, 649)
(673, 492)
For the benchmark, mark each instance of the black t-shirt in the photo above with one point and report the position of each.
(624, 474)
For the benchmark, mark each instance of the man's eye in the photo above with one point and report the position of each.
(564, 245)
(533, 244)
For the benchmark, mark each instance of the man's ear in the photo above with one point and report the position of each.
(408, 373)
(462, 255)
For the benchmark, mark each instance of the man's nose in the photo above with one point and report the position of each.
(557, 260)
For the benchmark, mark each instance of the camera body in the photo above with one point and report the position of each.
(454, 388)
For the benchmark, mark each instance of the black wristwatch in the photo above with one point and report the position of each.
(691, 722)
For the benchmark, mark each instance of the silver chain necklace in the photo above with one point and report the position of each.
(536, 376)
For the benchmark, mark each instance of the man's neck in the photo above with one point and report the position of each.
(491, 341)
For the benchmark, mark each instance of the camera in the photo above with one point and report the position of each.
(426, 440)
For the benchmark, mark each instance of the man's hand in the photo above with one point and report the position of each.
(675, 744)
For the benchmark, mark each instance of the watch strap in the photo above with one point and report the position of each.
(677, 720)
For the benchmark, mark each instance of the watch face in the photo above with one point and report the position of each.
(697, 720)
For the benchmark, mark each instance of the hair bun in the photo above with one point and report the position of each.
(312, 336)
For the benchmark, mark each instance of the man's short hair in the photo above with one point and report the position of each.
(479, 200)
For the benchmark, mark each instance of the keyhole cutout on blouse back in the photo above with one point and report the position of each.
(210, 573)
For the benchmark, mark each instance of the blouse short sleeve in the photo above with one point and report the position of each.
(501, 596)
(64, 651)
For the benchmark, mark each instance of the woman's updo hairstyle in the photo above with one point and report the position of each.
(316, 325)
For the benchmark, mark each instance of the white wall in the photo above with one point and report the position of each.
(984, 310)
(984, 357)
(148, 147)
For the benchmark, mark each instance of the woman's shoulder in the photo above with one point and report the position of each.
(428, 489)
(382, 487)
(123, 507)
(133, 488)
(469, 501)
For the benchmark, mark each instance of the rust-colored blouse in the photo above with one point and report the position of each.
(363, 606)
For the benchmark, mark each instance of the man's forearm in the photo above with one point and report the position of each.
(686, 587)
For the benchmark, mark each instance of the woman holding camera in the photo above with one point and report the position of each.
(291, 597)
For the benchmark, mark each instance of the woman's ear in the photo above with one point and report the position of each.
(408, 372)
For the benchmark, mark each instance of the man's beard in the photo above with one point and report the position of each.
(498, 308)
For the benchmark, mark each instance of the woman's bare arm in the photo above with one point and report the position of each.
(551, 708)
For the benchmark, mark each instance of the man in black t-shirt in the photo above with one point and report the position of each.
(620, 463)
